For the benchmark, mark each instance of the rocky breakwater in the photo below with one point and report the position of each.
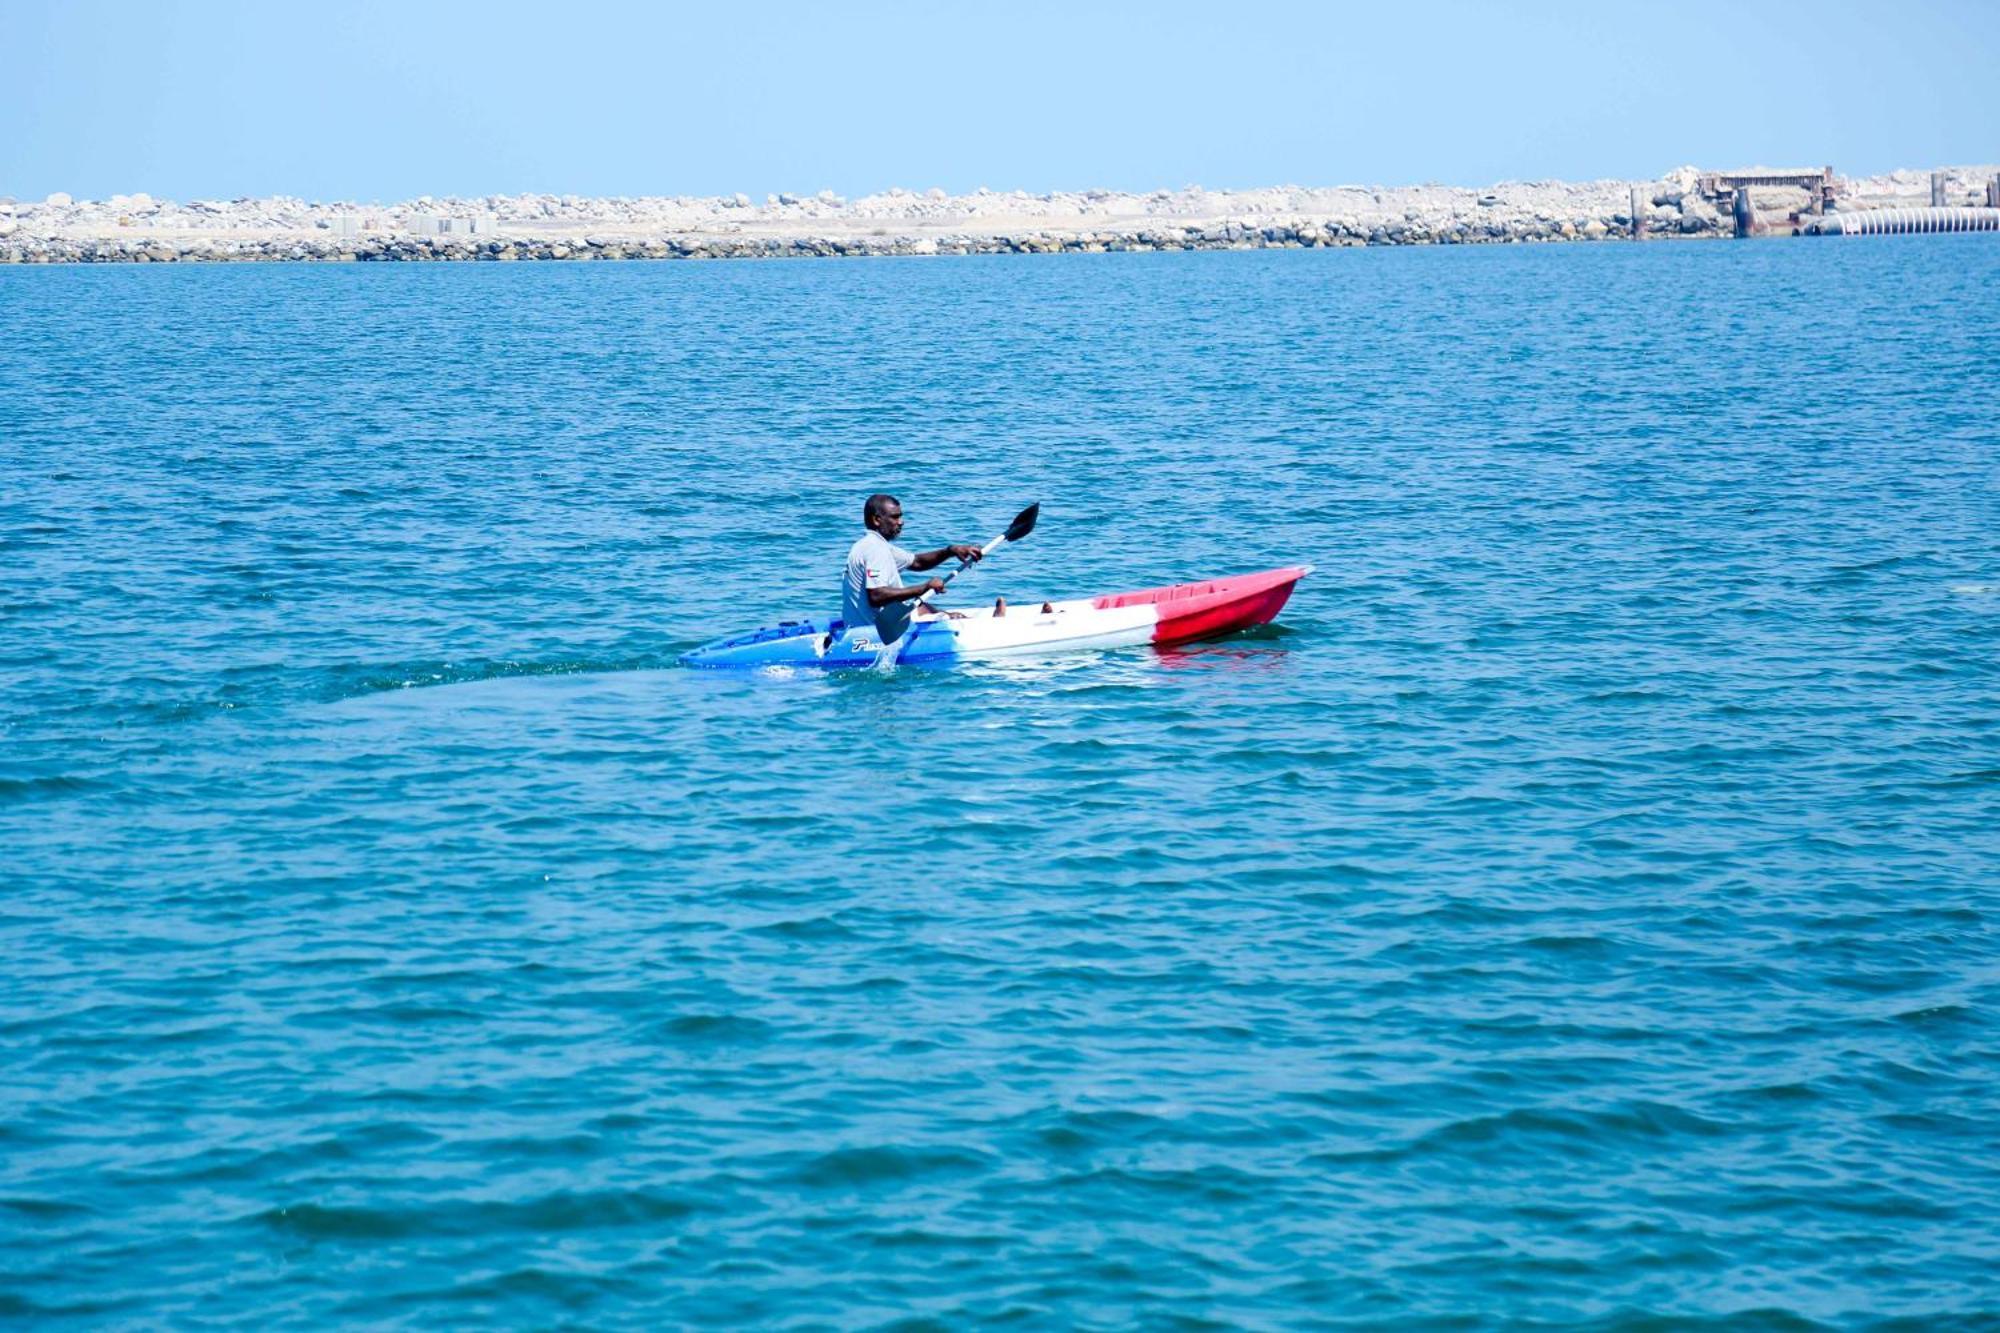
(500, 228)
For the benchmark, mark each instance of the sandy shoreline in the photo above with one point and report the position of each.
(138, 228)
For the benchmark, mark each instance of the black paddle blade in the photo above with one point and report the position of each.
(1024, 522)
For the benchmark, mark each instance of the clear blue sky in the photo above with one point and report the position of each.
(353, 99)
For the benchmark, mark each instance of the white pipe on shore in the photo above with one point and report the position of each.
(1907, 222)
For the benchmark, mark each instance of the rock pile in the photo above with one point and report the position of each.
(137, 228)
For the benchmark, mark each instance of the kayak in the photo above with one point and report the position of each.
(1178, 613)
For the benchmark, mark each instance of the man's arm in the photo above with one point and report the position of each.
(884, 596)
(932, 559)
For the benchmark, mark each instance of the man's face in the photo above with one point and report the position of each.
(890, 521)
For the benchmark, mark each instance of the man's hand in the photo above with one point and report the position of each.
(966, 553)
(932, 587)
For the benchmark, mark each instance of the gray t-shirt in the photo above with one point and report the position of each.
(873, 562)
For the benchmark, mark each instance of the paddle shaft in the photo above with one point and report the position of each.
(964, 565)
(1023, 524)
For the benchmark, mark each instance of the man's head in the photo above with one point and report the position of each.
(883, 513)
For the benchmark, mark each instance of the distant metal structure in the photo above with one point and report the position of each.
(1937, 190)
(435, 224)
(1723, 186)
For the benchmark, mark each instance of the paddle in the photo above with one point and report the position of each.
(1023, 524)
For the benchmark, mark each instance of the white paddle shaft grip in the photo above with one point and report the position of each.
(984, 551)
(964, 565)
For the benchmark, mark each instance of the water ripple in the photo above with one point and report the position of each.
(1579, 912)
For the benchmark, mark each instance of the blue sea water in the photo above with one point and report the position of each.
(1582, 910)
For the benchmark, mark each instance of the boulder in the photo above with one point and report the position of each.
(1682, 178)
(57, 200)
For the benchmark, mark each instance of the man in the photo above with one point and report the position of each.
(873, 591)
